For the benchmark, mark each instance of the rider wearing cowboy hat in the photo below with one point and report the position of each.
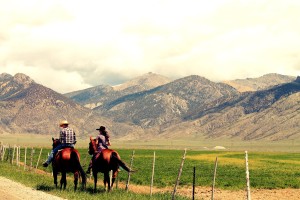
(67, 138)
(102, 142)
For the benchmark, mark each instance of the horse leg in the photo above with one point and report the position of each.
(55, 178)
(63, 180)
(106, 180)
(76, 175)
(95, 180)
(114, 176)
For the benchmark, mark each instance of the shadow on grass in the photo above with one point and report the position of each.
(45, 187)
(90, 190)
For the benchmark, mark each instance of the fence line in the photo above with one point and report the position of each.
(14, 153)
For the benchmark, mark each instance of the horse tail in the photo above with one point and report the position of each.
(120, 162)
(78, 166)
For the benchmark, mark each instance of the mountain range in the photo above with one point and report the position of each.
(152, 105)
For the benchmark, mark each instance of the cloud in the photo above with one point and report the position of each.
(107, 42)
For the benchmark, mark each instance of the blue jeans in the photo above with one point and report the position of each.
(55, 150)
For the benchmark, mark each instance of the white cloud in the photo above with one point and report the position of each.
(105, 42)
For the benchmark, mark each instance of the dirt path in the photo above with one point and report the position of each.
(10, 190)
(204, 193)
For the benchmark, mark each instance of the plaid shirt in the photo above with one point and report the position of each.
(67, 136)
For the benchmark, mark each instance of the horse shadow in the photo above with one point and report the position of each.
(45, 188)
(91, 190)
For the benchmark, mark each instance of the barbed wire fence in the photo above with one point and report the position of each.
(26, 156)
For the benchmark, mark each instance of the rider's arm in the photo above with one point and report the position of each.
(107, 142)
(74, 137)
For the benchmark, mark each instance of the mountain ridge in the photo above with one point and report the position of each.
(192, 105)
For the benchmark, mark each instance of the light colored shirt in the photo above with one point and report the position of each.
(102, 142)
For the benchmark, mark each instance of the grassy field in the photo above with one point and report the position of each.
(272, 165)
(268, 170)
(44, 182)
(200, 143)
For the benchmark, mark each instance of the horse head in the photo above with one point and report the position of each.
(55, 142)
(92, 146)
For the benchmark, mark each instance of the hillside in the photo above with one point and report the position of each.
(28, 107)
(264, 82)
(142, 83)
(193, 106)
(103, 94)
(269, 114)
(167, 103)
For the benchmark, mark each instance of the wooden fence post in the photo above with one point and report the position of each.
(117, 181)
(8, 153)
(37, 163)
(152, 177)
(3, 153)
(13, 155)
(214, 179)
(194, 183)
(110, 176)
(1, 150)
(128, 178)
(17, 155)
(247, 177)
(25, 157)
(31, 158)
(179, 174)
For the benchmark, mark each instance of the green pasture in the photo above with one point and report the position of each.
(272, 165)
(268, 170)
(197, 143)
(44, 182)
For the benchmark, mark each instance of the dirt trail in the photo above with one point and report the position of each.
(204, 193)
(10, 190)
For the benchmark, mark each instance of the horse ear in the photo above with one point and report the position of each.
(52, 139)
(91, 138)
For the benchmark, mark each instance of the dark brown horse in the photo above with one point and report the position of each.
(67, 160)
(104, 162)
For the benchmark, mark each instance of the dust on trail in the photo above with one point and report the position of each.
(10, 190)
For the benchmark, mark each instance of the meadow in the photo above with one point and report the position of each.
(274, 168)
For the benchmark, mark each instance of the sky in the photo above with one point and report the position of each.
(69, 45)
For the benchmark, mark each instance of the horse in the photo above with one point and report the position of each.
(67, 160)
(104, 162)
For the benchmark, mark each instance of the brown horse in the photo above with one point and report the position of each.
(67, 160)
(104, 162)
